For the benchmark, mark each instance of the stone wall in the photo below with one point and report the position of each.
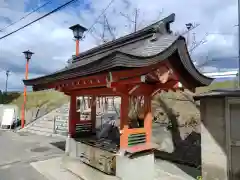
(213, 139)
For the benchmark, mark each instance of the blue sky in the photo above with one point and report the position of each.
(29, 5)
(52, 41)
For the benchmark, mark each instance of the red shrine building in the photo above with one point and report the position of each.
(140, 64)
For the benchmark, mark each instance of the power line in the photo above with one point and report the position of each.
(25, 16)
(97, 19)
(53, 11)
(135, 20)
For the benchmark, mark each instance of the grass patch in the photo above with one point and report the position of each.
(216, 85)
(49, 99)
(54, 99)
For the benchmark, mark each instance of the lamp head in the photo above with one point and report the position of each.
(78, 31)
(28, 54)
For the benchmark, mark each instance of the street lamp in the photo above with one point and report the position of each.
(6, 85)
(78, 31)
(28, 54)
(189, 27)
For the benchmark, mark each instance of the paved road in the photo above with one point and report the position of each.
(17, 151)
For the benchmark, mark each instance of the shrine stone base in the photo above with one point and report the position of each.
(140, 166)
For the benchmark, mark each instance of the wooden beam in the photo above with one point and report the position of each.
(136, 71)
(94, 92)
(100, 78)
(83, 83)
(127, 81)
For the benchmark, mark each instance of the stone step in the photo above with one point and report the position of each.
(42, 123)
(63, 124)
(39, 132)
(42, 126)
(61, 128)
(61, 120)
(42, 129)
(63, 133)
(44, 133)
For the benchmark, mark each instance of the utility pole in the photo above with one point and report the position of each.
(6, 85)
(107, 28)
(135, 21)
(104, 28)
(238, 43)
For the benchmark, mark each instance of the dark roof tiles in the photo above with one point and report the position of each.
(148, 46)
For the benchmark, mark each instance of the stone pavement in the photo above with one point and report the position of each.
(25, 156)
(18, 150)
(53, 170)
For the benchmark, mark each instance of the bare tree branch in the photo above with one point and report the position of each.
(135, 21)
(127, 17)
(197, 44)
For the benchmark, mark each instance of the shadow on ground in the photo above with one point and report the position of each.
(59, 145)
(187, 152)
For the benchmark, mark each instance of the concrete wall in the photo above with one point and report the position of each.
(213, 139)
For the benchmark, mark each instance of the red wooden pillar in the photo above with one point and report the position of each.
(124, 120)
(93, 112)
(72, 115)
(148, 117)
(78, 111)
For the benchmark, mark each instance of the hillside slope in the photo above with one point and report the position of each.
(182, 103)
(50, 99)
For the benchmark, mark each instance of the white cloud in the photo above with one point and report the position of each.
(52, 42)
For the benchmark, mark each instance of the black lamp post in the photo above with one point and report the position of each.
(78, 31)
(28, 54)
(189, 26)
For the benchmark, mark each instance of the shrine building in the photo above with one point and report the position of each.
(140, 64)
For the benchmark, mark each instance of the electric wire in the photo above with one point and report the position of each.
(33, 11)
(53, 11)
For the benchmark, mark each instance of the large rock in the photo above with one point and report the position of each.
(176, 128)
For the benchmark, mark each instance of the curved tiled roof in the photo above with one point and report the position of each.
(144, 48)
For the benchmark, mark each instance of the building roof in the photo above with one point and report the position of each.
(218, 93)
(145, 47)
